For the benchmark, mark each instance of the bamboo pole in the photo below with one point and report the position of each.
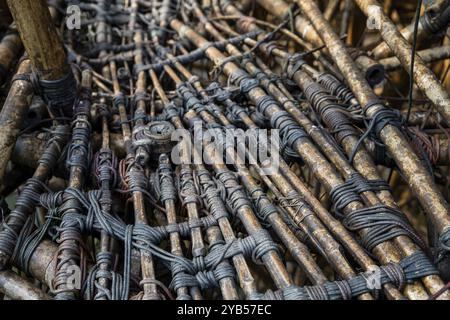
(425, 79)
(13, 113)
(18, 288)
(106, 243)
(364, 163)
(45, 50)
(146, 259)
(16, 105)
(245, 277)
(439, 8)
(427, 55)
(416, 175)
(70, 238)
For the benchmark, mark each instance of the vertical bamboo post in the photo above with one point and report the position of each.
(46, 52)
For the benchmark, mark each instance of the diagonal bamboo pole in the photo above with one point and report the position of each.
(247, 282)
(18, 288)
(45, 50)
(428, 56)
(246, 214)
(425, 79)
(227, 285)
(415, 174)
(365, 165)
(440, 9)
(298, 250)
(146, 259)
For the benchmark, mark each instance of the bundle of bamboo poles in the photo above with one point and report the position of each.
(219, 149)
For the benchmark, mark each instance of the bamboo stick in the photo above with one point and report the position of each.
(10, 50)
(427, 55)
(425, 79)
(417, 176)
(246, 279)
(365, 165)
(13, 114)
(44, 48)
(18, 288)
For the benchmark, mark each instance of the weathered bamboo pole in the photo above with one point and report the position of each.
(46, 52)
(425, 79)
(13, 113)
(424, 31)
(142, 155)
(15, 107)
(373, 70)
(364, 164)
(427, 55)
(416, 175)
(246, 279)
(166, 181)
(146, 260)
(70, 239)
(105, 174)
(18, 288)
